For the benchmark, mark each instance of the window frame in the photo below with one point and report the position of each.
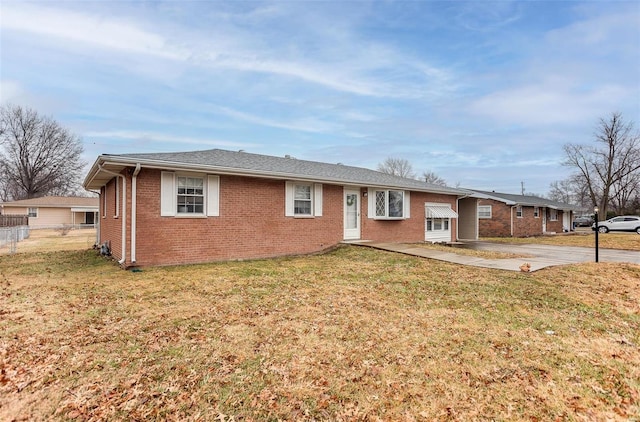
(169, 188)
(519, 211)
(32, 212)
(314, 200)
(443, 224)
(375, 209)
(192, 195)
(553, 214)
(486, 215)
(298, 201)
(536, 212)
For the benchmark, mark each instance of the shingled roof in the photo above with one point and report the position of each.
(526, 200)
(257, 165)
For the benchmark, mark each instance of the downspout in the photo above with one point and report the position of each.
(96, 218)
(512, 207)
(124, 212)
(133, 212)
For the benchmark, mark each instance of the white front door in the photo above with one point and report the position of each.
(351, 214)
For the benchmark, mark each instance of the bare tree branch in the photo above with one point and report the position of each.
(611, 168)
(398, 167)
(38, 157)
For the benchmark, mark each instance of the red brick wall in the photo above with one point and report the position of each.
(554, 226)
(251, 223)
(410, 230)
(499, 225)
(110, 227)
(527, 225)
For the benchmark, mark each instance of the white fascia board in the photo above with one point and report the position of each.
(173, 166)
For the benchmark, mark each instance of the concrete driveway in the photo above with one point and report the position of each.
(539, 256)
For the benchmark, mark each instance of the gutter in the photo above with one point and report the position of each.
(133, 211)
(164, 165)
(124, 212)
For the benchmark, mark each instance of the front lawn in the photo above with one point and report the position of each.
(626, 241)
(356, 334)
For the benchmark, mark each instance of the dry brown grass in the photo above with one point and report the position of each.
(357, 334)
(626, 241)
(52, 240)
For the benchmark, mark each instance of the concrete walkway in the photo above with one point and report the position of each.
(539, 256)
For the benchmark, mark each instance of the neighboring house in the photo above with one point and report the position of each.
(54, 211)
(200, 206)
(506, 215)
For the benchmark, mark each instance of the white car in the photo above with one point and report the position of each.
(623, 223)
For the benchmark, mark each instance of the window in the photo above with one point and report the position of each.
(190, 198)
(33, 212)
(303, 199)
(389, 204)
(484, 211)
(536, 212)
(553, 214)
(437, 224)
(519, 211)
(189, 195)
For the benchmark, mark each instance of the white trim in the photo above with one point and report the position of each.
(355, 233)
(490, 208)
(134, 217)
(317, 199)
(371, 205)
(289, 199)
(213, 196)
(168, 194)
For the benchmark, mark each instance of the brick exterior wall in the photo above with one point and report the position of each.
(410, 230)
(252, 223)
(499, 225)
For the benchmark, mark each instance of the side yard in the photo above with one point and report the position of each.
(356, 334)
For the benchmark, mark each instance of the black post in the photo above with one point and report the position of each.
(597, 231)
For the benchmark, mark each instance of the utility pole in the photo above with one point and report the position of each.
(522, 188)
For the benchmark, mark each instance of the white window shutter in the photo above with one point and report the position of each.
(213, 196)
(288, 199)
(371, 197)
(167, 194)
(407, 204)
(317, 199)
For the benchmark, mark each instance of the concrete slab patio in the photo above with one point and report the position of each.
(539, 256)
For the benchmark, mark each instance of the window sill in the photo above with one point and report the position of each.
(389, 218)
(190, 216)
(304, 216)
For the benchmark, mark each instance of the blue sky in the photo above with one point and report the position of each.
(484, 94)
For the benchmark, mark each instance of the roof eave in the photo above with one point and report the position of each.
(177, 166)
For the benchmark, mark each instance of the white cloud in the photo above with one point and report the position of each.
(10, 91)
(304, 125)
(548, 104)
(343, 62)
(83, 28)
(164, 138)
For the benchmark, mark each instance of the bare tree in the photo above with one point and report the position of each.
(562, 191)
(430, 177)
(38, 157)
(614, 159)
(398, 167)
(624, 192)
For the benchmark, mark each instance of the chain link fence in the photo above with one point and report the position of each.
(28, 239)
(10, 236)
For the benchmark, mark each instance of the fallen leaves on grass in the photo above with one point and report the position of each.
(356, 334)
